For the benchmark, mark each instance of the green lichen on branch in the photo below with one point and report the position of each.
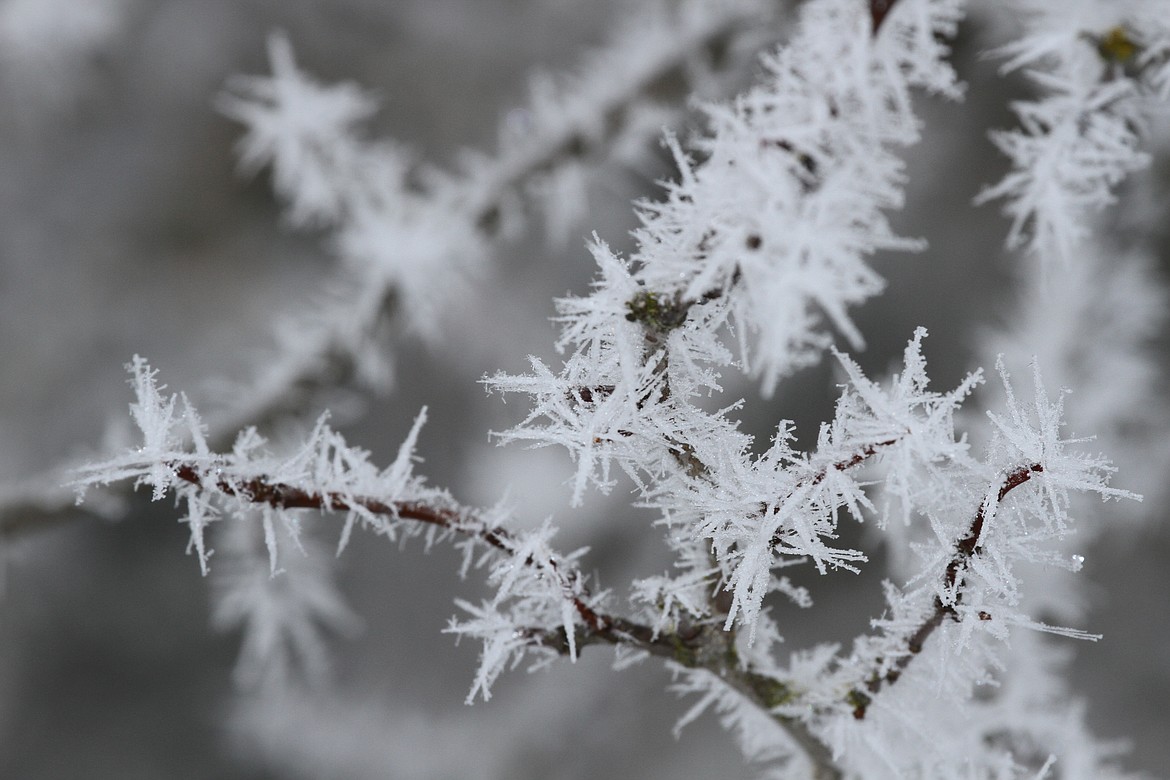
(770, 692)
(685, 653)
(656, 311)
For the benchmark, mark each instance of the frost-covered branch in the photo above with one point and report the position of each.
(766, 235)
(965, 549)
(407, 233)
(751, 262)
(969, 578)
(461, 522)
(328, 476)
(1103, 69)
(542, 604)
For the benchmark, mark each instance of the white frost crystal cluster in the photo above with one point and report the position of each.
(749, 263)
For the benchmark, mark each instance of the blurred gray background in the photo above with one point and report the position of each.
(124, 229)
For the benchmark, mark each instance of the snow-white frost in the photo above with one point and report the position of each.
(272, 585)
(750, 262)
(1099, 67)
(409, 236)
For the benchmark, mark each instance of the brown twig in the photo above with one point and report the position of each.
(600, 627)
(965, 549)
(701, 646)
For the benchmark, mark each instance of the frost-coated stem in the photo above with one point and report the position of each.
(667, 77)
(327, 356)
(699, 647)
(599, 626)
(762, 690)
(966, 548)
(705, 646)
(477, 203)
(1104, 74)
(760, 246)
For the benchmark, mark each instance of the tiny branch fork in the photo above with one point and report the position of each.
(598, 626)
(965, 549)
(760, 689)
(705, 645)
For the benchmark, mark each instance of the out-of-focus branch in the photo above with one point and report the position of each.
(327, 356)
(605, 117)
